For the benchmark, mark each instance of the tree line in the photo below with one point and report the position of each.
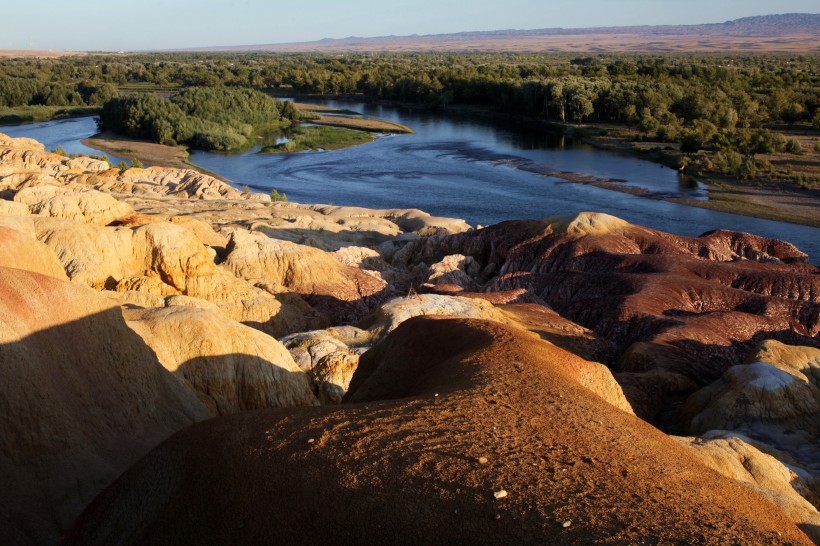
(671, 97)
(208, 118)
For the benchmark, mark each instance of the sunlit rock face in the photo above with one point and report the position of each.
(440, 405)
(343, 293)
(773, 400)
(685, 309)
(787, 486)
(230, 367)
(535, 342)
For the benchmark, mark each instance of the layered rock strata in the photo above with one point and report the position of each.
(567, 328)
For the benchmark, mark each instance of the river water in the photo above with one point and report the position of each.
(478, 170)
(61, 133)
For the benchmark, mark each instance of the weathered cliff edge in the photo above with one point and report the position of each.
(138, 303)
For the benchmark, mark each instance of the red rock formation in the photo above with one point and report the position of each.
(462, 431)
(688, 306)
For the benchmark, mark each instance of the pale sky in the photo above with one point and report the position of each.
(128, 25)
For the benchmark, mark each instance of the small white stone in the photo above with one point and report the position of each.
(566, 524)
(500, 494)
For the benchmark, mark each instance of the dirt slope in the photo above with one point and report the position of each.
(403, 463)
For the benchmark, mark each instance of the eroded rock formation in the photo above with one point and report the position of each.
(230, 367)
(686, 307)
(742, 462)
(445, 415)
(561, 332)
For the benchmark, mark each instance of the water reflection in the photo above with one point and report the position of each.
(475, 169)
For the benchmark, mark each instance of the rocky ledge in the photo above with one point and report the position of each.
(569, 380)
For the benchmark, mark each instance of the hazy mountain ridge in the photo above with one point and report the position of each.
(763, 26)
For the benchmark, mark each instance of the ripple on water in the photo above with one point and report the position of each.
(472, 169)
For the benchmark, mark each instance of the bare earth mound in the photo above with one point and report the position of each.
(490, 439)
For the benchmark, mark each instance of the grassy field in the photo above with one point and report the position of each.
(312, 137)
(38, 54)
(146, 88)
(26, 114)
(792, 208)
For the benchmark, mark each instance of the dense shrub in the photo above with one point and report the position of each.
(793, 146)
(747, 170)
(207, 118)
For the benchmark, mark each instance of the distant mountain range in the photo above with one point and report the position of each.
(786, 32)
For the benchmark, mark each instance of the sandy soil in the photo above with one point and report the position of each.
(148, 152)
(402, 464)
(350, 122)
(15, 53)
(314, 107)
(363, 124)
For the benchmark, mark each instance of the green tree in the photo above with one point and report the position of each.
(690, 142)
(793, 146)
(759, 141)
(747, 170)
(102, 94)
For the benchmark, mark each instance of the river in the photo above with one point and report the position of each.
(459, 167)
(61, 133)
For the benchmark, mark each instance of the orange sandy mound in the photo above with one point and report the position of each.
(402, 464)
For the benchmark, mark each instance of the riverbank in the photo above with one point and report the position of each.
(769, 199)
(149, 153)
(767, 196)
(371, 125)
(768, 202)
(31, 114)
(349, 119)
(329, 129)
